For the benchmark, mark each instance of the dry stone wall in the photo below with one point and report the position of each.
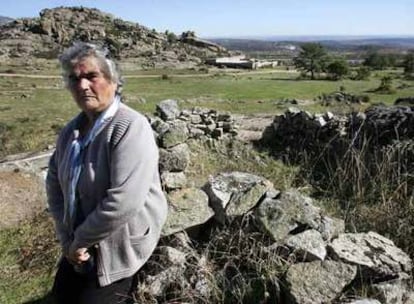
(298, 132)
(323, 263)
(173, 127)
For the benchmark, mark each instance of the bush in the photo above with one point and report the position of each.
(337, 69)
(385, 86)
(171, 37)
(362, 73)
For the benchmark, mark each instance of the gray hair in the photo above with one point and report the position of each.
(80, 50)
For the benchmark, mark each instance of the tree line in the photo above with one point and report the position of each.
(313, 60)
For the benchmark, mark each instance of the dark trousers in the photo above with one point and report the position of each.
(71, 287)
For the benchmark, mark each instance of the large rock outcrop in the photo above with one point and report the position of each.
(44, 37)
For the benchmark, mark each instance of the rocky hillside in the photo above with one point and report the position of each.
(4, 20)
(44, 37)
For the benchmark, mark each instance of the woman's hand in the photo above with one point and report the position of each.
(78, 256)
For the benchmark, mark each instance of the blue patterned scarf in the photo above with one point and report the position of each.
(76, 154)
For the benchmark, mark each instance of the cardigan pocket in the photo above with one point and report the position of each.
(143, 245)
(138, 239)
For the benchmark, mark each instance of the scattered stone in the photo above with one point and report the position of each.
(376, 256)
(286, 214)
(173, 180)
(307, 246)
(393, 291)
(360, 301)
(317, 282)
(168, 109)
(330, 228)
(187, 208)
(28, 39)
(235, 193)
(176, 134)
(175, 159)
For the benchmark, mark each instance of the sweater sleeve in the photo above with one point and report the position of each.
(55, 202)
(134, 160)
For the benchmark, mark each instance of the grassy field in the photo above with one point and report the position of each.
(28, 255)
(33, 110)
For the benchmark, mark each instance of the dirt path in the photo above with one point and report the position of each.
(252, 126)
(254, 72)
(21, 197)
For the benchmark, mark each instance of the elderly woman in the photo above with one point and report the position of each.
(103, 185)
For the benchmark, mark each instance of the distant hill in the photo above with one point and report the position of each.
(55, 29)
(333, 43)
(4, 20)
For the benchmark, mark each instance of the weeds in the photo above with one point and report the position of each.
(232, 265)
(27, 260)
(374, 186)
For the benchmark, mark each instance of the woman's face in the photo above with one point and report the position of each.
(92, 91)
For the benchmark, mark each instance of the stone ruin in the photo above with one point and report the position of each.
(322, 262)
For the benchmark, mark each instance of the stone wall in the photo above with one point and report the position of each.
(173, 127)
(297, 134)
(321, 262)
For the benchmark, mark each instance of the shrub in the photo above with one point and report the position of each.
(385, 86)
(171, 37)
(362, 73)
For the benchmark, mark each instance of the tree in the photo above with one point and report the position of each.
(171, 37)
(337, 69)
(376, 61)
(362, 73)
(312, 58)
(408, 65)
(188, 34)
(385, 86)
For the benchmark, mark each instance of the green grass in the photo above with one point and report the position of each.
(230, 155)
(33, 110)
(28, 255)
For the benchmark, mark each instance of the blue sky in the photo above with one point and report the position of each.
(233, 18)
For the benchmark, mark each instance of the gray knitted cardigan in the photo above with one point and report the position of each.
(119, 191)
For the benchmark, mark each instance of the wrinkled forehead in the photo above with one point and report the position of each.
(88, 64)
(85, 64)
